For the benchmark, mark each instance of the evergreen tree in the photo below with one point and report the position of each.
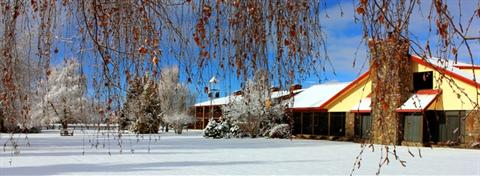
(141, 111)
(131, 107)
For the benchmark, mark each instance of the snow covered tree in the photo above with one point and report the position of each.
(255, 113)
(131, 107)
(149, 119)
(141, 110)
(175, 99)
(64, 96)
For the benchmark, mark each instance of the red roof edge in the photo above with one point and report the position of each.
(429, 91)
(361, 111)
(308, 109)
(419, 60)
(349, 86)
(467, 66)
(409, 110)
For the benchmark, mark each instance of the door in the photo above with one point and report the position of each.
(413, 128)
(452, 127)
(297, 123)
(366, 126)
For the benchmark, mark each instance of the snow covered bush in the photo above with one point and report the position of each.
(179, 121)
(279, 131)
(217, 130)
(211, 130)
(255, 112)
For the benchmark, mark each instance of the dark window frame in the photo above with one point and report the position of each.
(422, 80)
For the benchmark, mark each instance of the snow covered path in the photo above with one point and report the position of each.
(190, 154)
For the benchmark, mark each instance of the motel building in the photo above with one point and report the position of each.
(437, 112)
(212, 109)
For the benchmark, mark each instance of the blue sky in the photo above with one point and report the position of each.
(343, 39)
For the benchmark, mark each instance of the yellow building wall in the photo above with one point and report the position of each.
(456, 94)
(352, 97)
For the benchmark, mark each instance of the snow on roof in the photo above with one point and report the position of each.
(281, 93)
(419, 101)
(316, 95)
(449, 65)
(227, 99)
(363, 106)
(219, 101)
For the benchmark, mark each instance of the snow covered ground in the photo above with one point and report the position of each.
(190, 154)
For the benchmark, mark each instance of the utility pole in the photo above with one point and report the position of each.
(212, 93)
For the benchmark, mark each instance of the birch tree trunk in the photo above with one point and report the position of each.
(391, 86)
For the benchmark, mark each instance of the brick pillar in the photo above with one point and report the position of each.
(390, 71)
(472, 129)
(350, 125)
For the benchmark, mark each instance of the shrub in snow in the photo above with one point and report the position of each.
(217, 130)
(279, 131)
(235, 130)
(179, 121)
(255, 113)
(18, 129)
(211, 131)
(475, 145)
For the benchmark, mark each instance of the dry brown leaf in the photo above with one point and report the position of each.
(155, 60)
(142, 50)
(360, 10)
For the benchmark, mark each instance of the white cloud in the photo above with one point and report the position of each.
(344, 39)
(344, 36)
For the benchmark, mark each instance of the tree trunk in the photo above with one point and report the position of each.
(472, 129)
(390, 72)
(64, 121)
(178, 130)
(2, 127)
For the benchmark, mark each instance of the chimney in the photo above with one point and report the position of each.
(238, 93)
(295, 87)
(274, 89)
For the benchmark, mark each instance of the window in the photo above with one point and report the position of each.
(307, 123)
(363, 125)
(297, 123)
(451, 127)
(320, 123)
(422, 80)
(337, 123)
